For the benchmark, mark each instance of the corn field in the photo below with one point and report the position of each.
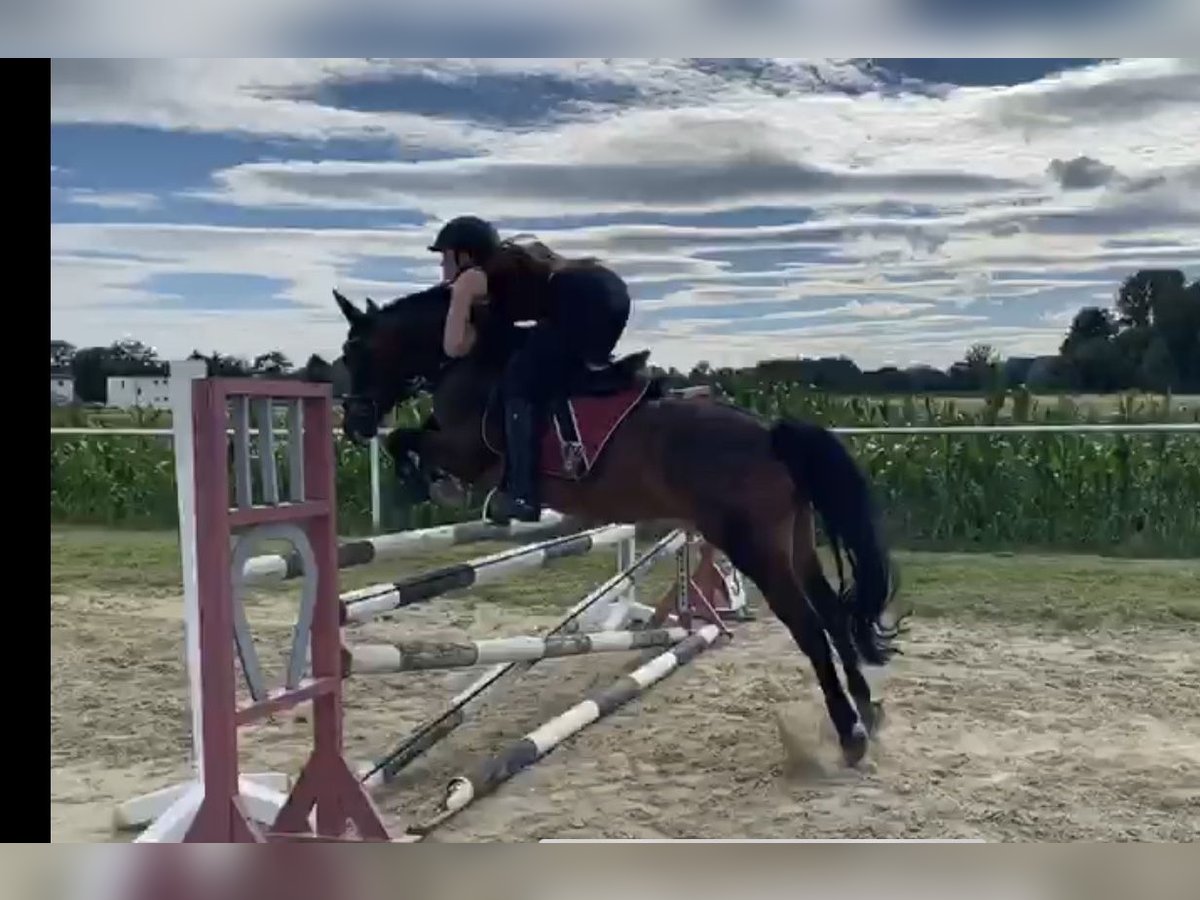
(1131, 494)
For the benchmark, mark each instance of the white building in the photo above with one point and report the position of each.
(62, 388)
(146, 391)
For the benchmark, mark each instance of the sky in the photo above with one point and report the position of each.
(894, 210)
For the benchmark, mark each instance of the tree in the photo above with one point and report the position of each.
(1176, 316)
(1098, 365)
(1016, 368)
(93, 366)
(220, 366)
(89, 367)
(61, 354)
(979, 369)
(1090, 323)
(340, 376)
(1137, 295)
(980, 356)
(131, 357)
(922, 379)
(1158, 371)
(316, 369)
(1048, 373)
(1131, 346)
(271, 363)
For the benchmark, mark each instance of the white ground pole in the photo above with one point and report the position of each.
(169, 811)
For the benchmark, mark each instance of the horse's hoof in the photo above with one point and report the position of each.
(446, 492)
(854, 745)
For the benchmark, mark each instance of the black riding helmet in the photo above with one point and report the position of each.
(468, 234)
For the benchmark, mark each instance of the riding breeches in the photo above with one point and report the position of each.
(589, 313)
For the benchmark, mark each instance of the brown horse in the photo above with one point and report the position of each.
(747, 486)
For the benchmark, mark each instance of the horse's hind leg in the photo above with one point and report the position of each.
(837, 625)
(764, 555)
(833, 613)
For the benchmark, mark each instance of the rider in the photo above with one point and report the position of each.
(579, 308)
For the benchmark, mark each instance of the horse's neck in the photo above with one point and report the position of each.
(464, 391)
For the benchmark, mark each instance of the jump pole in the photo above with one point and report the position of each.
(270, 568)
(465, 789)
(366, 603)
(421, 656)
(434, 729)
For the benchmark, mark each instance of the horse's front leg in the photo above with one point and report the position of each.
(424, 461)
(406, 446)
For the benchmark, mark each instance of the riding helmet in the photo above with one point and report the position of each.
(468, 234)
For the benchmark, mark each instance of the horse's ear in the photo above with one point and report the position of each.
(371, 307)
(349, 310)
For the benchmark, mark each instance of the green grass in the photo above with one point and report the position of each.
(114, 562)
(1067, 593)
(1182, 407)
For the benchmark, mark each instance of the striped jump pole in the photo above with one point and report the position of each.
(434, 729)
(367, 603)
(416, 656)
(274, 567)
(464, 790)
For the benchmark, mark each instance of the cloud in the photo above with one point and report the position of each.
(634, 28)
(724, 145)
(1120, 93)
(248, 97)
(299, 98)
(757, 206)
(132, 200)
(1081, 173)
(531, 187)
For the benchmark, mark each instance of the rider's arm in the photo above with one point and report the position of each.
(459, 335)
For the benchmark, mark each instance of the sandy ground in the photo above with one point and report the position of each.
(993, 732)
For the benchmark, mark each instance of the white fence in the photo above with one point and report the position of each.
(901, 430)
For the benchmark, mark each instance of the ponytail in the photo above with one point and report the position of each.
(541, 256)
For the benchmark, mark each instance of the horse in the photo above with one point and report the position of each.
(620, 448)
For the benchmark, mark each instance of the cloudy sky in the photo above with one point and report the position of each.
(893, 210)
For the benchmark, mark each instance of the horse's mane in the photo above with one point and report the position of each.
(430, 298)
(426, 310)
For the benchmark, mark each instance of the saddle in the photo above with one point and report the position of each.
(614, 376)
(586, 413)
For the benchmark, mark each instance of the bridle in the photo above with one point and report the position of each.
(362, 410)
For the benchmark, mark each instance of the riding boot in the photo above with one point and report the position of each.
(518, 497)
(521, 440)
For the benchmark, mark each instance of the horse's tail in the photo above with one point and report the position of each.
(824, 471)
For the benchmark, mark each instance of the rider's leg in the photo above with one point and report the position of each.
(593, 319)
(586, 324)
(528, 379)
